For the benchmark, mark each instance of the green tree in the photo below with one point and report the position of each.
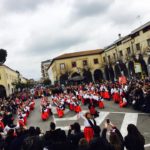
(3, 55)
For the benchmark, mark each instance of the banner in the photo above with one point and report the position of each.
(137, 67)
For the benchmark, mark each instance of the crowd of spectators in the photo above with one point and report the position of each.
(109, 138)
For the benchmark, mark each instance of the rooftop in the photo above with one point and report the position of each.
(78, 54)
(124, 37)
(8, 68)
(46, 61)
(141, 27)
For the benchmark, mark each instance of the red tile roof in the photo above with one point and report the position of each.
(78, 54)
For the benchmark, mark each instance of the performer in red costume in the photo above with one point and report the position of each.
(44, 113)
(89, 123)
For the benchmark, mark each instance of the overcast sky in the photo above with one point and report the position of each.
(35, 30)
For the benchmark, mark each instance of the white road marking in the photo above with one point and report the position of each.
(129, 118)
(127, 112)
(68, 118)
(66, 128)
(101, 118)
(147, 145)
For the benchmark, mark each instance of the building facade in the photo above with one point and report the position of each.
(85, 65)
(44, 66)
(129, 51)
(128, 55)
(9, 76)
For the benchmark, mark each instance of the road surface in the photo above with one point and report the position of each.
(120, 117)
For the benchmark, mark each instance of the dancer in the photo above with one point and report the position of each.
(89, 123)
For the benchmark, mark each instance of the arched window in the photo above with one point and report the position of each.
(2, 91)
(63, 79)
(98, 75)
(87, 75)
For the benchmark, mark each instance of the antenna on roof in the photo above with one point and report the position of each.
(119, 35)
(139, 19)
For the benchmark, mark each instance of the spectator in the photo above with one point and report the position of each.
(60, 141)
(52, 126)
(10, 137)
(75, 137)
(1, 142)
(32, 141)
(134, 140)
(115, 141)
(50, 136)
(83, 144)
(99, 142)
(18, 140)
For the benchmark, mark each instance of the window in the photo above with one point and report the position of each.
(138, 46)
(114, 56)
(74, 64)
(95, 61)
(109, 58)
(62, 66)
(120, 53)
(128, 50)
(148, 42)
(104, 59)
(84, 62)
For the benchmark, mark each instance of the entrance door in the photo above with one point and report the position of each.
(2, 91)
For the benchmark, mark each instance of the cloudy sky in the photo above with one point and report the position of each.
(35, 30)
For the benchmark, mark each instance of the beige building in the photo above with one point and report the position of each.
(9, 76)
(128, 49)
(128, 55)
(44, 66)
(85, 65)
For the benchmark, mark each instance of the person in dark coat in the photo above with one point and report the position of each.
(138, 98)
(8, 118)
(32, 141)
(75, 137)
(146, 105)
(60, 141)
(134, 140)
(49, 136)
(18, 140)
(2, 142)
(99, 142)
(115, 141)
(10, 137)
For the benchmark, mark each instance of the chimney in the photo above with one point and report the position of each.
(119, 35)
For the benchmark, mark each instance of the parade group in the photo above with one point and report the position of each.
(18, 107)
(135, 93)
